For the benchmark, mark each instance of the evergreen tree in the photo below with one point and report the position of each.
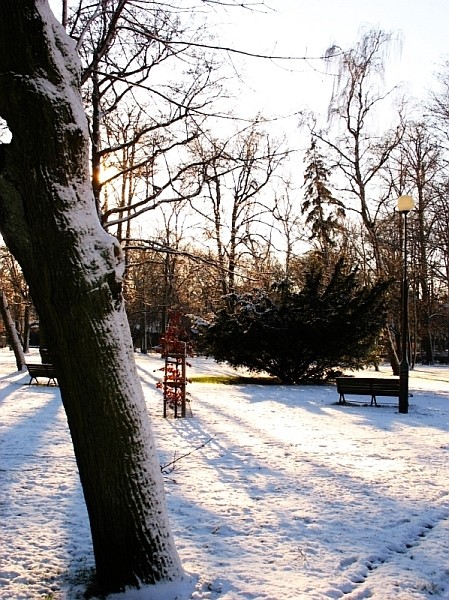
(323, 211)
(309, 335)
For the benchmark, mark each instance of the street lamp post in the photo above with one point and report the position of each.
(405, 205)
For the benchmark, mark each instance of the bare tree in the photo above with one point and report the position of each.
(17, 298)
(139, 72)
(420, 168)
(356, 149)
(237, 173)
(13, 336)
(74, 270)
(288, 223)
(358, 152)
(438, 105)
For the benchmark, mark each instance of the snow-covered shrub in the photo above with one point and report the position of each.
(307, 335)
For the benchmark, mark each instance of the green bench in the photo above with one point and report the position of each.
(367, 386)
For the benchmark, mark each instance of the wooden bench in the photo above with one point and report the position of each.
(42, 370)
(367, 386)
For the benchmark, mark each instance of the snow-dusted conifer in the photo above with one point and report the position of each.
(307, 335)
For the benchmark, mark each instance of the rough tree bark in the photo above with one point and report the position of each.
(13, 336)
(73, 267)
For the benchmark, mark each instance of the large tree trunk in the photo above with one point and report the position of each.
(49, 221)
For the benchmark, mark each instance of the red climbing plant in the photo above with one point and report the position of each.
(175, 348)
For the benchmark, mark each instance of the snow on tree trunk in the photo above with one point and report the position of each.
(49, 221)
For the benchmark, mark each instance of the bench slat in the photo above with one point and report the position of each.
(41, 370)
(367, 386)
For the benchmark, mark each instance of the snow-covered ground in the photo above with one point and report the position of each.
(284, 495)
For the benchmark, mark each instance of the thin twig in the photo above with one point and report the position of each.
(164, 468)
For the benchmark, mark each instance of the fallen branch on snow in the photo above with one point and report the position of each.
(169, 467)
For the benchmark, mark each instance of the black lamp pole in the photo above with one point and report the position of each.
(405, 205)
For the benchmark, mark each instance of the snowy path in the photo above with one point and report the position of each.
(291, 497)
(305, 499)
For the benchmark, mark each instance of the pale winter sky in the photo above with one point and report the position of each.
(307, 27)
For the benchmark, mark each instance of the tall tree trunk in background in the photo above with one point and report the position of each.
(49, 221)
(26, 329)
(11, 331)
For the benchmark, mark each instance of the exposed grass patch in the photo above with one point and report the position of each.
(235, 379)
